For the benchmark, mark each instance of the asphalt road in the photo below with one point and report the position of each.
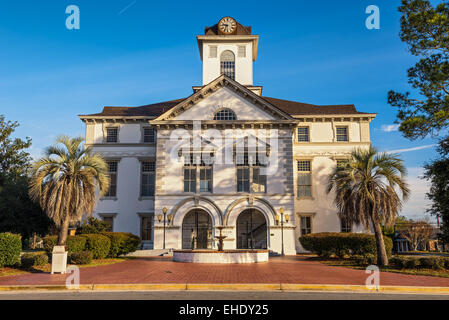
(211, 295)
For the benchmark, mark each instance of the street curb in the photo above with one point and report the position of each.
(232, 287)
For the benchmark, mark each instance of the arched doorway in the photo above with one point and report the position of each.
(251, 230)
(197, 230)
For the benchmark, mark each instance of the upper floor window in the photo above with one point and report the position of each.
(112, 168)
(147, 180)
(149, 135)
(112, 134)
(303, 134)
(197, 171)
(225, 114)
(304, 179)
(227, 64)
(250, 177)
(342, 133)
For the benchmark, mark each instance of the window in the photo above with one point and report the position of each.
(112, 192)
(303, 134)
(147, 179)
(205, 178)
(345, 226)
(241, 51)
(304, 179)
(342, 163)
(249, 173)
(227, 64)
(192, 164)
(112, 134)
(225, 114)
(110, 222)
(212, 51)
(342, 133)
(306, 225)
(149, 135)
(146, 228)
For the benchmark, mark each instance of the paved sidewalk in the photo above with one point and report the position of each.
(295, 270)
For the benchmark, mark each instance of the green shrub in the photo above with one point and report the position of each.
(122, 243)
(93, 225)
(432, 263)
(76, 243)
(412, 263)
(98, 244)
(446, 263)
(82, 257)
(398, 262)
(341, 244)
(29, 260)
(49, 242)
(10, 248)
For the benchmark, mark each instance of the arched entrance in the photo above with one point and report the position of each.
(251, 230)
(197, 230)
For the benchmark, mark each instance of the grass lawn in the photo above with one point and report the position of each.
(351, 264)
(9, 271)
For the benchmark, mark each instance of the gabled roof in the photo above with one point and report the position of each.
(223, 81)
(288, 107)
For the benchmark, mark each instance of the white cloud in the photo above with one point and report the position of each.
(389, 127)
(415, 207)
(411, 149)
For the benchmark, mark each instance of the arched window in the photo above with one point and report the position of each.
(227, 64)
(225, 114)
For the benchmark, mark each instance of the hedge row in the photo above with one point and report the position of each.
(28, 260)
(436, 263)
(10, 248)
(107, 244)
(327, 244)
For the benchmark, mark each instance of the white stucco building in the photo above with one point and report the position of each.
(224, 156)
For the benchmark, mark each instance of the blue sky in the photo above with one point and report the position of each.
(135, 52)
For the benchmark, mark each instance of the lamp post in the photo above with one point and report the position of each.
(287, 218)
(159, 217)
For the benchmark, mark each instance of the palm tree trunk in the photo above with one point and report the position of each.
(382, 259)
(63, 231)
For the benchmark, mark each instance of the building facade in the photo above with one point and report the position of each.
(225, 156)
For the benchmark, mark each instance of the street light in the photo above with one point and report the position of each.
(159, 217)
(287, 218)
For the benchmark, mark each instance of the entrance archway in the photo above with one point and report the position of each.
(251, 230)
(197, 230)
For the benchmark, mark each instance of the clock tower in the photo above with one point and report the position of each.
(228, 48)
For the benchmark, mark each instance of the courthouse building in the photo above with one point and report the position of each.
(225, 156)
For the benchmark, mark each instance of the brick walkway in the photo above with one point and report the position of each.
(296, 270)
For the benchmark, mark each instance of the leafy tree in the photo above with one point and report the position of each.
(66, 182)
(18, 213)
(366, 192)
(438, 174)
(416, 232)
(425, 29)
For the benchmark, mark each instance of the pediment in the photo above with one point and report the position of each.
(224, 93)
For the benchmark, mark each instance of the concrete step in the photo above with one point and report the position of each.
(151, 253)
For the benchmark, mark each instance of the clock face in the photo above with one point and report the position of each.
(227, 25)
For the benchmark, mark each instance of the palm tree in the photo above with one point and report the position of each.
(367, 192)
(66, 181)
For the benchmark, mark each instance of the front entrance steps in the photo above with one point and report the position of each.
(151, 253)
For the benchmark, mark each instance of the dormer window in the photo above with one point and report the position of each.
(227, 64)
(225, 114)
